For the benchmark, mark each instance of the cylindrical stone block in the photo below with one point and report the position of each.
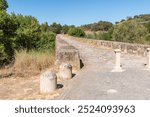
(48, 82)
(148, 58)
(65, 71)
(118, 67)
(117, 52)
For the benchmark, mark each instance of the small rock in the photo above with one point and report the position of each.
(112, 91)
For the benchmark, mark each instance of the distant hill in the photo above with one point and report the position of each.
(105, 25)
(98, 26)
(143, 18)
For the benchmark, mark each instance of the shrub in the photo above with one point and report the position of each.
(99, 35)
(8, 27)
(95, 27)
(105, 36)
(47, 41)
(65, 29)
(76, 32)
(130, 31)
(56, 28)
(28, 32)
(90, 36)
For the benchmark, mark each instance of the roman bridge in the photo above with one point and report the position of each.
(95, 80)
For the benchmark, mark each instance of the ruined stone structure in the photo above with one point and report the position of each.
(96, 80)
(66, 54)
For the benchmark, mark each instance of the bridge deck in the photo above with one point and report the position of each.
(96, 81)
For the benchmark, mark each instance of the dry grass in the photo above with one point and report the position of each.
(16, 88)
(32, 63)
(24, 76)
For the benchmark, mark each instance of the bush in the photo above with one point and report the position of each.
(90, 36)
(28, 32)
(47, 41)
(7, 32)
(76, 32)
(105, 36)
(56, 28)
(99, 35)
(65, 29)
(95, 27)
(130, 31)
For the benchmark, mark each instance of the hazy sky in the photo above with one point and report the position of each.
(79, 12)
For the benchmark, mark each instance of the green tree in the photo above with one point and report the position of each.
(8, 26)
(95, 27)
(46, 41)
(130, 31)
(105, 36)
(76, 32)
(147, 25)
(28, 32)
(44, 27)
(56, 28)
(99, 26)
(65, 29)
(3, 5)
(104, 25)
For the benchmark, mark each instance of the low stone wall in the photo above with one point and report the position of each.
(64, 53)
(137, 49)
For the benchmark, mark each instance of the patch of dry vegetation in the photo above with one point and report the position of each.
(16, 88)
(21, 79)
(29, 64)
(32, 63)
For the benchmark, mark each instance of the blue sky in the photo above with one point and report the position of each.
(79, 12)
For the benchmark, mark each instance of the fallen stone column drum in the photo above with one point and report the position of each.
(65, 71)
(48, 82)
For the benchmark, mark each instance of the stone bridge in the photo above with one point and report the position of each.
(95, 80)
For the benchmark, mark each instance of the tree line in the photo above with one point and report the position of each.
(97, 26)
(134, 29)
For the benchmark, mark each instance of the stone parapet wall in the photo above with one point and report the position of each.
(137, 49)
(65, 53)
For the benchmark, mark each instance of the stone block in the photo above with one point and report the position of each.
(65, 71)
(48, 82)
(66, 54)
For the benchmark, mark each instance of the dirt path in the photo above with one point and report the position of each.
(96, 81)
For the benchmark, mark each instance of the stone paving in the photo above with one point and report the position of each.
(95, 81)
